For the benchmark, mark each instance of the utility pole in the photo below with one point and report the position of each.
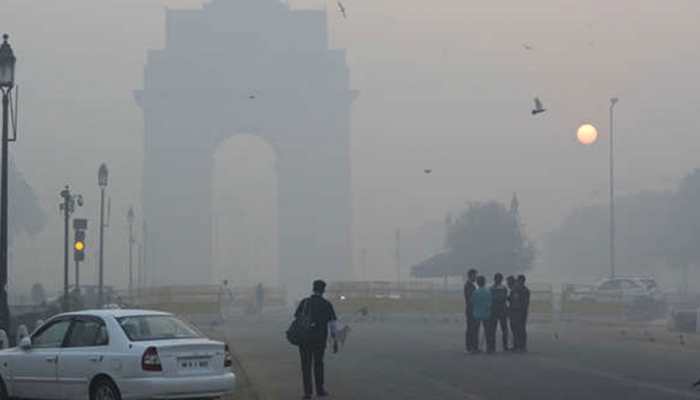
(613, 101)
(445, 246)
(398, 257)
(144, 255)
(130, 220)
(139, 273)
(102, 175)
(363, 262)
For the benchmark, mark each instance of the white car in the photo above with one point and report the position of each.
(627, 290)
(113, 355)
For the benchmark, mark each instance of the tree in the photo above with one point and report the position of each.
(25, 213)
(38, 293)
(579, 249)
(680, 245)
(489, 237)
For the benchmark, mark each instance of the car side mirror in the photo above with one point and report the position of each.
(25, 344)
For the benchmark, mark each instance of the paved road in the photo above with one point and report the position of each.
(413, 360)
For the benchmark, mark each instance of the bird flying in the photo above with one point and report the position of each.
(341, 7)
(527, 47)
(538, 107)
(427, 170)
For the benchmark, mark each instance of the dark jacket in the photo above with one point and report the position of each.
(321, 312)
(469, 288)
(499, 304)
(520, 299)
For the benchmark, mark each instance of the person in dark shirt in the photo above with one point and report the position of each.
(510, 283)
(471, 339)
(323, 319)
(499, 296)
(519, 305)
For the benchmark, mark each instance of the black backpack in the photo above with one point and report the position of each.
(299, 331)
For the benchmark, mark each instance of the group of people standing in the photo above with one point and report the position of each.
(489, 308)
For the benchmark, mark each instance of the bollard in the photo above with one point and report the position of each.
(4, 340)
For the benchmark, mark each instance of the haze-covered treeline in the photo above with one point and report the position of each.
(487, 236)
(657, 233)
(24, 212)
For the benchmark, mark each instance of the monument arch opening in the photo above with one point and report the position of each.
(244, 212)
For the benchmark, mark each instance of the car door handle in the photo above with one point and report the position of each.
(95, 358)
(51, 359)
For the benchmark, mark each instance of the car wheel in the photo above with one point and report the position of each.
(104, 389)
(3, 391)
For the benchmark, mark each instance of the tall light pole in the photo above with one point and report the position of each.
(102, 175)
(130, 220)
(7, 82)
(613, 101)
(397, 257)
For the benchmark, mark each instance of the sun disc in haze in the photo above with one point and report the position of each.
(587, 134)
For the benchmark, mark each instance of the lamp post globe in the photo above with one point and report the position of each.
(102, 175)
(7, 64)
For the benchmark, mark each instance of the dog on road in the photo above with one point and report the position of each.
(341, 335)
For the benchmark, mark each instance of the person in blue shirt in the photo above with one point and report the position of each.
(481, 301)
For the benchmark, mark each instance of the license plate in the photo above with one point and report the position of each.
(194, 364)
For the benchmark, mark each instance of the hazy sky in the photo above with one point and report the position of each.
(443, 84)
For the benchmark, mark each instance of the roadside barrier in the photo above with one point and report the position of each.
(357, 298)
(205, 302)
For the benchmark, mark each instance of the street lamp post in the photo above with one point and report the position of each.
(130, 220)
(7, 82)
(102, 175)
(613, 101)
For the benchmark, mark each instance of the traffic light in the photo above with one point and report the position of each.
(80, 225)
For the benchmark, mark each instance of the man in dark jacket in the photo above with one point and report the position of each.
(499, 296)
(323, 318)
(519, 305)
(510, 283)
(471, 338)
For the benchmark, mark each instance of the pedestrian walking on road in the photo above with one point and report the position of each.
(499, 312)
(323, 320)
(481, 308)
(469, 288)
(519, 307)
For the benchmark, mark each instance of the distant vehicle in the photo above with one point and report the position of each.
(114, 354)
(627, 290)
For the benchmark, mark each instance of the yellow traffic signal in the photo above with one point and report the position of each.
(79, 245)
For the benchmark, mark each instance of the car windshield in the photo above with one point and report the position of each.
(156, 327)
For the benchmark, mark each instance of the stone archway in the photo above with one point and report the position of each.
(247, 66)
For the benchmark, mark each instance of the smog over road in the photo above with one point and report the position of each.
(236, 162)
